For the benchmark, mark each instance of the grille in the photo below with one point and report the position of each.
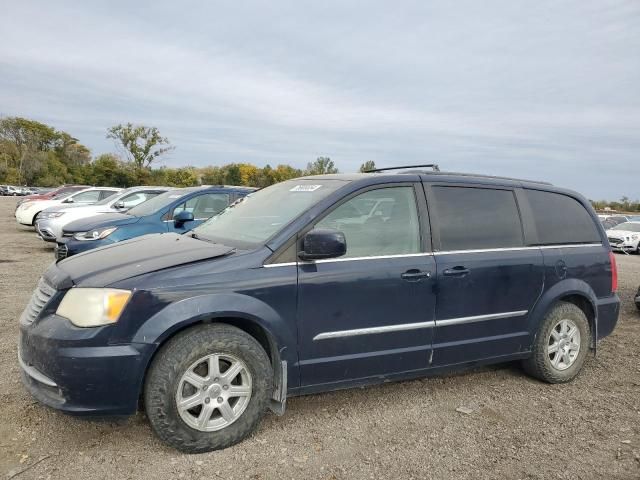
(61, 251)
(39, 299)
(615, 241)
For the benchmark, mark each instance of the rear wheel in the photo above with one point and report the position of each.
(208, 388)
(561, 345)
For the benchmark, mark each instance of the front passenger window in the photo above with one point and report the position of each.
(378, 222)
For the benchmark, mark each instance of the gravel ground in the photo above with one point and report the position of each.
(517, 428)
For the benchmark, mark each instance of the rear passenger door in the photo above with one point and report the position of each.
(488, 279)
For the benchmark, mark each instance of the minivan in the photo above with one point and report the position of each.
(316, 284)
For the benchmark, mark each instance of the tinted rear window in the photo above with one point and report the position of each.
(561, 219)
(473, 218)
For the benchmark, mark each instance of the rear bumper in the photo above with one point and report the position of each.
(608, 312)
(65, 368)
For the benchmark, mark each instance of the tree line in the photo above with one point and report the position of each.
(35, 154)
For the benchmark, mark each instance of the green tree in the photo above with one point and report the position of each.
(321, 166)
(368, 165)
(142, 145)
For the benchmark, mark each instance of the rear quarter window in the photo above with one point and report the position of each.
(560, 219)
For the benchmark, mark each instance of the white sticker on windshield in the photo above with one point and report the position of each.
(305, 188)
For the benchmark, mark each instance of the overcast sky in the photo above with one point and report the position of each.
(534, 89)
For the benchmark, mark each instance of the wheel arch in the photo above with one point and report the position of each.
(257, 320)
(573, 291)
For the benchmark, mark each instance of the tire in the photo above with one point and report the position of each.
(165, 384)
(541, 363)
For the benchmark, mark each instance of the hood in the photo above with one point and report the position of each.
(620, 233)
(99, 221)
(140, 255)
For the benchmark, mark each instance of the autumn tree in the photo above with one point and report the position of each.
(321, 166)
(142, 145)
(367, 166)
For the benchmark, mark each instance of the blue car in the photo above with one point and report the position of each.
(178, 210)
(316, 284)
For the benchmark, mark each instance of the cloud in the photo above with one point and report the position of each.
(548, 91)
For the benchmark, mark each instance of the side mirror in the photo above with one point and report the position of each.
(68, 200)
(183, 217)
(119, 205)
(323, 243)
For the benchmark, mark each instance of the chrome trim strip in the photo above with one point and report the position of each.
(349, 259)
(515, 249)
(479, 318)
(442, 252)
(374, 257)
(286, 264)
(35, 374)
(373, 330)
(570, 245)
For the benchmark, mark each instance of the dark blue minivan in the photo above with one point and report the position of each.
(178, 210)
(316, 284)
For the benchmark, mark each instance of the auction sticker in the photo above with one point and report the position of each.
(305, 188)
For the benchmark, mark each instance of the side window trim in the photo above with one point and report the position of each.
(435, 222)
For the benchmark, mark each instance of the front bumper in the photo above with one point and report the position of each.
(25, 216)
(46, 230)
(72, 369)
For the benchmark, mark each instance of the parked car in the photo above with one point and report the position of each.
(612, 221)
(59, 192)
(4, 190)
(177, 210)
(625, 237)
(636, 299)
(27, 212)
(13, 191)
(51, 220)
(269, 299)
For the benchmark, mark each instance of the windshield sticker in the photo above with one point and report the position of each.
(305, 188)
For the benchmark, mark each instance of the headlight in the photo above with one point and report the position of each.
(50, 214)
(95, 234)
(92, 307)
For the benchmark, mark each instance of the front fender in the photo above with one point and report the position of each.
(188, 311)
(564, 288)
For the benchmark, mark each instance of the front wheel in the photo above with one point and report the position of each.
(561, 345)
(208, 388)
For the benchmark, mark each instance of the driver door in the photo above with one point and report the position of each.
(371, 312)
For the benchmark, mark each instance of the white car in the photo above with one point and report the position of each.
(50, 222)
(26, 213)
(625, 237)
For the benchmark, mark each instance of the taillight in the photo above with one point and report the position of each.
(614, 273)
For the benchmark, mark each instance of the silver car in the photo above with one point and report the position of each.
(51, 221)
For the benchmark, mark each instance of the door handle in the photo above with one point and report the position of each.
(414, 275)
(458, 271)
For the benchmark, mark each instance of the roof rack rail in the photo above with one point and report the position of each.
(434, 166)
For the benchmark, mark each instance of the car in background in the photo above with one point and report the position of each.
(27, 212)
(625, 237)
(13, 191)
(3, 190)
(50, 221)
(178, 210)
(59, 192)
(612, 221)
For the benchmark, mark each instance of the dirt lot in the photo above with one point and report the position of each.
(518, 428)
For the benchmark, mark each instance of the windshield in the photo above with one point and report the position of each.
(260, 215)
(156, 203)
(629, 227)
